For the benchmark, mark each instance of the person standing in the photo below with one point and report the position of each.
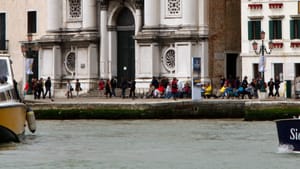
(101, 87)
(48, 88)
(108, 88)
(124, 86)
(277, 86)
(174, 88)
(77, 87)
(69, 90)
(113, 86)
(34, 85)
(245, 82)
(40, 88)
(132, 89)
(271, 87)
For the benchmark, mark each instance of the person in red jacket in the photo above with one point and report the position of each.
(101, 85)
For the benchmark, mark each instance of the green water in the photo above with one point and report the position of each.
(149, 144)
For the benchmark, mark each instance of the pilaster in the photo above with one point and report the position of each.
(89, 14)
(152, 13)
(54, 15)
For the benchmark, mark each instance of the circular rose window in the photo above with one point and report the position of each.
(169, 60)
(70, 62)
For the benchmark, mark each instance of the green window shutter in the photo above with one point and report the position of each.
(292, 33)
(298, 29)
(271, 28)
(279, 29)
(257, 29)
(250, 31)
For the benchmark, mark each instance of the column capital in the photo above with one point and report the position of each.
(103, 4)
(139, 4)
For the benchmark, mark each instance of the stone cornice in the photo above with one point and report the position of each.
(170, 37)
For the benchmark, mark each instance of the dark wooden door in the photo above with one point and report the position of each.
(126, 55)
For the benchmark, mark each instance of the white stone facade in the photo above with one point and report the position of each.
(285, 57)
(83, 40)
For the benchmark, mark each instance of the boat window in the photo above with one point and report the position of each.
(3, 68)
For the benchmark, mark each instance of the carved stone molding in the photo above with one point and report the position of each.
(103, 4)
(139, 4)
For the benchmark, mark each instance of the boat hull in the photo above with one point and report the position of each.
(288, 131)
(12, 121)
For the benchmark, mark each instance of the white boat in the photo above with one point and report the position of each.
(14, 114)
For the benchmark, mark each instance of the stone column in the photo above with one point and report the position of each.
(188, 11)
(54, 20)
(138, 23)
(104, 67)
(203, 16)
(152, 13)
(89, 14)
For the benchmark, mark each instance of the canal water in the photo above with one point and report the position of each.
(149, 144)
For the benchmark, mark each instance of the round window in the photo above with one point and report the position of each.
(70, 62)
(169, 59)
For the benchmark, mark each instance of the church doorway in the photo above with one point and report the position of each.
(125, 43)
(231, 66)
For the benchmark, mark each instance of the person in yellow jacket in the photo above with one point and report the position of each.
(221, 92)
(208, 91)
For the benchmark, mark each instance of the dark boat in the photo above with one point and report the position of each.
(288, 131)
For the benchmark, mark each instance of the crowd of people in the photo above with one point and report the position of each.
(158, 88)
(40, 88)
(164, 88)
(237, 88)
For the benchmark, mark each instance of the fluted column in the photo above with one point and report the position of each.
(152, 13)
(89, 14)
(54, 20)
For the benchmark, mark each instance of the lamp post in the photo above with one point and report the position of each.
(262, 61)
(29, 50)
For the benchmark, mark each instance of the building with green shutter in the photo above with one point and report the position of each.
(280, 22)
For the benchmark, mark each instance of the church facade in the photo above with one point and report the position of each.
(128, 39)
(132, 39)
